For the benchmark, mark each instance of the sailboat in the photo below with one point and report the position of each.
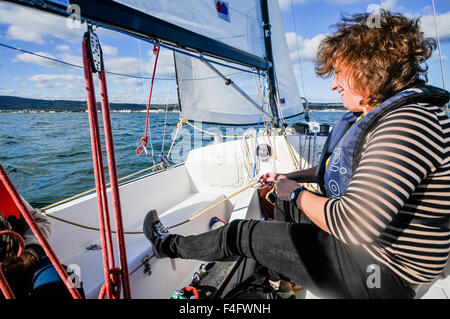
(209, 38)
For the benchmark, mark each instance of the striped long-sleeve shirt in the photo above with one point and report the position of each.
(397, 205)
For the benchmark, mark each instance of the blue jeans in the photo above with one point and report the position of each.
(295, 248)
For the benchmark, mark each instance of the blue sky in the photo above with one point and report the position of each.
(28, 76)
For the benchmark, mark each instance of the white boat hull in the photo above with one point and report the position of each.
(209, 175)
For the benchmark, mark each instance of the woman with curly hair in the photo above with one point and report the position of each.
(380, 226)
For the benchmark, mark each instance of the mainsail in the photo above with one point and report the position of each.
(206, 98)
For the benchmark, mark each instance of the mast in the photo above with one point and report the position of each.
(269, 58)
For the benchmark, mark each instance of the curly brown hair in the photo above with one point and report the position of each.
(382, 60)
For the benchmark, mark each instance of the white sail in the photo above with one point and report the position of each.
(236, 23)
(204, 96)
(288, 90)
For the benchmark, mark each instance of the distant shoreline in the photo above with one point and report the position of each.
(83, 111)
(127, 111)
(15, 104)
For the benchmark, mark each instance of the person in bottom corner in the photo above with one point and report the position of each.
(30, 275)
(382, 224)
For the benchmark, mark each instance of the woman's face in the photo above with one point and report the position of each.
(342, 84)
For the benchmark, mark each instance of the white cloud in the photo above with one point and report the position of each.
(342, 2)
(286, 4)
(428, 26)
(307, 48)
(60, 81)
(388, 5)
(165, 66)
(138, 67)
(109, 50)
(73, 59)
(28, 58)
(391, 5)
(63, 47)
(18, 33)
(32, 26)
(6, 91)
(122, 81)
(65, 57)
(126, 65)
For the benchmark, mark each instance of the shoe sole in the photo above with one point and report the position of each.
(150, 219)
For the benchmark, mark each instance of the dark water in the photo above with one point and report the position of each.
(48, 155)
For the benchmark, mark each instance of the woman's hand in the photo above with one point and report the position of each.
(270, 178)
(284, 187)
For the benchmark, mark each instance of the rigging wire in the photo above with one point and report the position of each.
(110, 72)
(439, 47)
(105, 26)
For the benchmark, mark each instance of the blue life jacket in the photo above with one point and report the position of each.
(344, 144)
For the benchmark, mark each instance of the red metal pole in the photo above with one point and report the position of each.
(104, 225)
(114, 186)
(4, 286)
(38, 233)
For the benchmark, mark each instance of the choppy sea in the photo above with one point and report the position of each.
(48, 155)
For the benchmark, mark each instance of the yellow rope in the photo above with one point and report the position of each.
(179, 126)
(86, 227)
(290, 152)
(215, 205)
(179, 224)
(275, 156)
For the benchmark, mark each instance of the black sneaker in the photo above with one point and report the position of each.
(156, 232)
